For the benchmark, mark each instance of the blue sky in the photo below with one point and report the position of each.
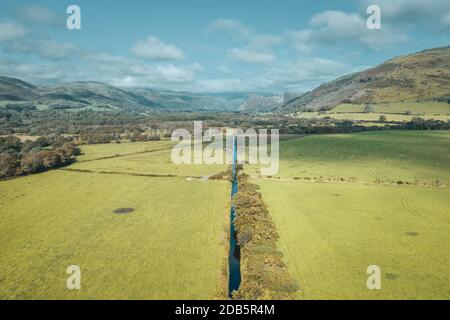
(212, 46)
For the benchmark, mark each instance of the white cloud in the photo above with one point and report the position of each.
(154, 49)
(341, 28)
(259, 46)
(232, 26)
(54, 50)
(301, 75)
(43, 48)
(250, 55)
(40, 15)
(445, 20)
(223, 68)
(11, 30)
(412, 10)
(126, 72)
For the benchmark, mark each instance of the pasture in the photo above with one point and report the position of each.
(415, 157)
(331, 233)
(339, 207)
(171, 245)
(417, 108)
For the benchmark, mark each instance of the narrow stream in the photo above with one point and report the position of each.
(234, 265)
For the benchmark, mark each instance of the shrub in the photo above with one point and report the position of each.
(8, 165)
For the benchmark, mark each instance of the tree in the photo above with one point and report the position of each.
(368, 108)
(10, 144)
(8, 165)
(32, 162)
(382, 118)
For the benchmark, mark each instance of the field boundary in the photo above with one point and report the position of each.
(123, 155)
(353, 181)
(150, 175)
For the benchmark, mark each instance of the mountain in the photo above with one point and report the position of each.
(422, 76)
(16, 90)
(19, 95)
(264, 103)
(188, 101)
(89, 93)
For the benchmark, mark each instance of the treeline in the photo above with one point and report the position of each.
(19, 158)
(103, 127)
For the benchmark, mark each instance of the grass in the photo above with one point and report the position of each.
(383, 156)
(172, 246)
(157, 162)
(420, 108)
(331, 233)
(98, 151)
(390, 117)
(335, 225)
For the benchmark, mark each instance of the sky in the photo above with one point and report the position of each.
(209, 45)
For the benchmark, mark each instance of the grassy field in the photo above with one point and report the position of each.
(331, 233)
(420, 108)
(394, 112)
(369, 116)
(139, 158)
(332, 227)
(172, 246)
(369, 157)
(99, 151)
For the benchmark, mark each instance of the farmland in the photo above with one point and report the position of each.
(172, 245)
(341, 203)
(393, 112)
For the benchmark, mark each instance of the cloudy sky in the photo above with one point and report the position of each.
(212, 45)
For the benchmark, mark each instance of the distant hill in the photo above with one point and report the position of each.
(422, 76)
(16, 90)
(19, 95)
(16, 94)
(187, 101)
(267, 103)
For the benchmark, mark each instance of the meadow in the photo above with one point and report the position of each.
(393, 112)
(415, 157)
(417, 108)
(331, 233)
(173, 245)
(140, 159)
(343, 202)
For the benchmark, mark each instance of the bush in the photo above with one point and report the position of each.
(8, 165)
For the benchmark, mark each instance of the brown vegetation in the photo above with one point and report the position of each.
(264, 274)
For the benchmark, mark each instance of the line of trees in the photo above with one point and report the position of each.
(18, 158)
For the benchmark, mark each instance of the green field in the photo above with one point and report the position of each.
(172, 246)
(331, 233)
(360, 116)
(394, 112)
(338, 209)
(339, 202)
(99, 151)
(378, 156)
(420, 108)
(142, 158)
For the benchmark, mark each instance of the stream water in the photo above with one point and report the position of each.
(234, 264)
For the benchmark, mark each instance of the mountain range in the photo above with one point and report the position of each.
(422, 76)
(82, 95)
